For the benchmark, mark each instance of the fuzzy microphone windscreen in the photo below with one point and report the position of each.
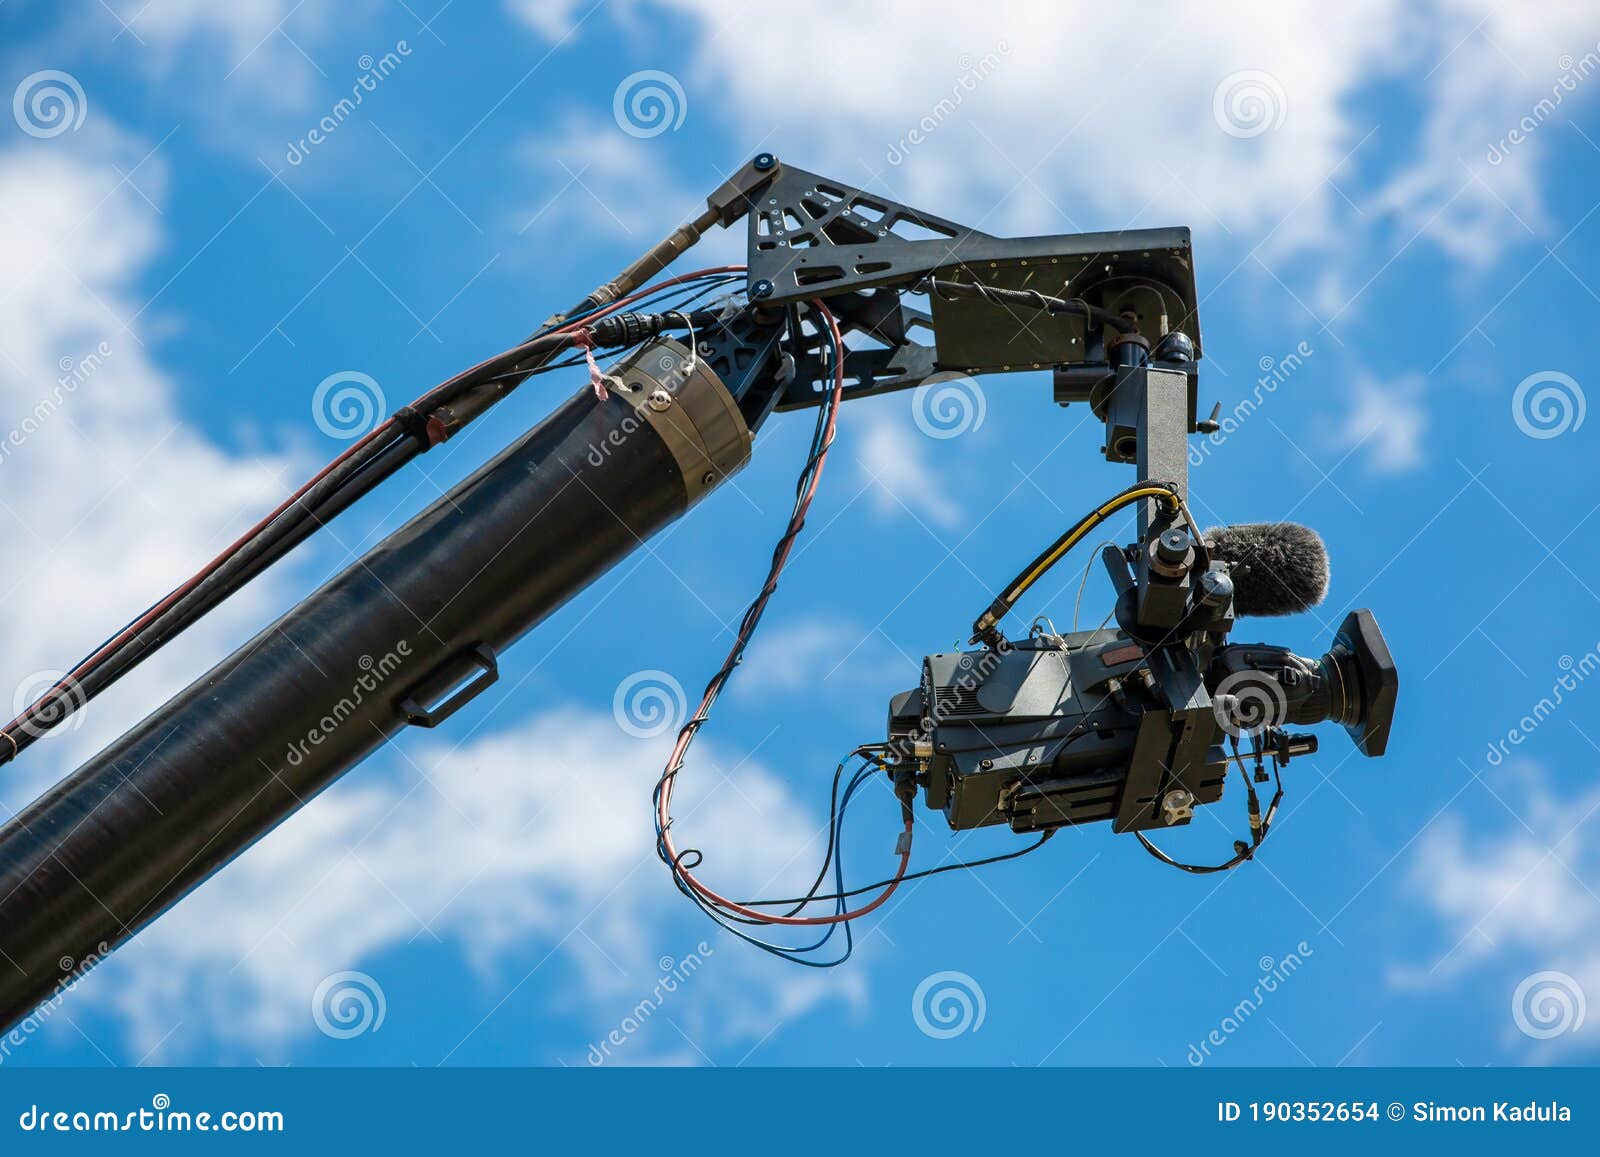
(1278, 568)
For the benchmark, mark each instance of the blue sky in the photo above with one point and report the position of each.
(1400, 195)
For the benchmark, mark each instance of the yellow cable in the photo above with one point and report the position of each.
(1085, 526)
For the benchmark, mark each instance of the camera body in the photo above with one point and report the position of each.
(1039, 734)
(1057, 730)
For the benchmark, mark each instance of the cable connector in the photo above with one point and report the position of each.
(625, 329)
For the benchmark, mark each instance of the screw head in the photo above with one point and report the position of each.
(762, 288)
(765, 161)
(659, 400)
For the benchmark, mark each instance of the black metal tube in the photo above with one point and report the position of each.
(109, 848)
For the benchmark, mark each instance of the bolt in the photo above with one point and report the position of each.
(765, 161)
(708, 478)
(762, 288)
(659, 400)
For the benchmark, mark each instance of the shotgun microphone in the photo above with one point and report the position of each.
(1277, 568)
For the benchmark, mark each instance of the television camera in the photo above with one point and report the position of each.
(844, 294)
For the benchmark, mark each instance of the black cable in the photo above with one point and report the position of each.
(1043, 839)
(835, 828)
(1258, 834)
(346, 483)
(796, 954)
(689, 858)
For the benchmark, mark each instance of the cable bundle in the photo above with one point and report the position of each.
(410, 431)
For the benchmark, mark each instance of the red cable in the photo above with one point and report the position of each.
(686, 735)
(86, 665)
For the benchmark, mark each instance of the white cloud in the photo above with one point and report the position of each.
(817, 656)
(554, 20)
(1142, 130)
(529, 844)
(1126, 134)
(1468, 188)
(98, 461)
(598, 183)
(1514, 899)
(789, 656)
(1387, 422)
(1012, 119)
(892, 460)
(252, 50)
(535, 837)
